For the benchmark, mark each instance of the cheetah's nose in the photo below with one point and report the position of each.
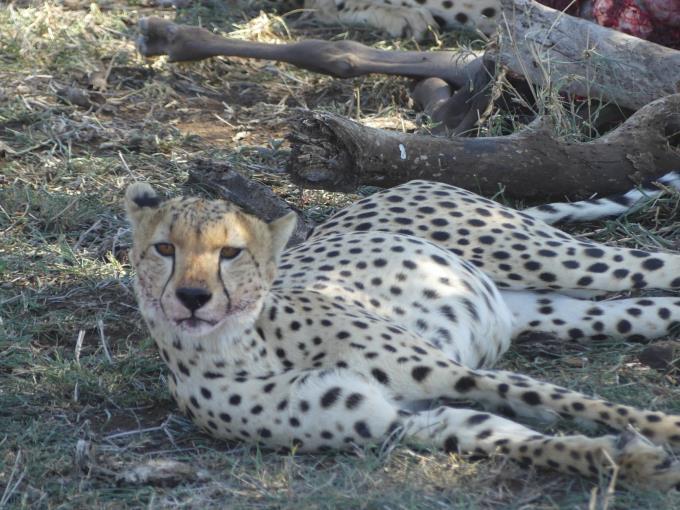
(193, 297)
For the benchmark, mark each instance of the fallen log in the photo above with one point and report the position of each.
(549, 48)
(334, 153)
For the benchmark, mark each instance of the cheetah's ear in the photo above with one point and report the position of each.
(281, 229)
(139, 197)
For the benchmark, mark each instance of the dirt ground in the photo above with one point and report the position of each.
(83, 400)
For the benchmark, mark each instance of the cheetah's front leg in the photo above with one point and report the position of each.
(464, 430)
(519, 394)
(311, 410)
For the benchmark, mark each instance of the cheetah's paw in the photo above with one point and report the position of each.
(644, 464)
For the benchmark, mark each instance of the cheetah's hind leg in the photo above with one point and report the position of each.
(569, 318)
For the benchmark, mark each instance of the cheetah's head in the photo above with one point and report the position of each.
(202, 265)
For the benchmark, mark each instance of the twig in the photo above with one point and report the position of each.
(9, 488)
(102, 337)
(79, 345)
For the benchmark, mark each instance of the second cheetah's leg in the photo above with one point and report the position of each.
(594, 209)
(636, 319)
(466, 430)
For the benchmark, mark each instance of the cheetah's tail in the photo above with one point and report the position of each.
(596, 208)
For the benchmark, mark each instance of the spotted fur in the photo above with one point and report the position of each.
(399, 18)
(408, 296)
(565, 212)
(414, 18)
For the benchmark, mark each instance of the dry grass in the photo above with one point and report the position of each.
(75, 360)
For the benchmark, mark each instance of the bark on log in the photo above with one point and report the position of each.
(547, 47)
(334, 153)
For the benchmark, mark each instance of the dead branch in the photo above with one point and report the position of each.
(334, 153)
(456, 103)
(547, 47)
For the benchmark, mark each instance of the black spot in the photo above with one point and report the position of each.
(489, 12)
(547, 277)
(380, 262)
(380, 376)
(531, 397)
(206, 393)
(465, 384)
(448, 312)
(420, 373)
(353, 400)
(409, 264)
(439, 260)
(226, 418)
(484, 434)
(235, 400)
(595, 253)
(256, 409)
(599, 267)
(451, 444)
(330, 397)
(362, 429)
(623, 326)
(461, 18)
(652, 264)
(575, 333)
(478, 418)
(182, 368)
(503, 389)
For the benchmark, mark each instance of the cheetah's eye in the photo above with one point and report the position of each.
(228, 253)
(165, 249)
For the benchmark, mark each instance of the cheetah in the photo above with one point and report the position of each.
(391, 311)
(410, 18)
(398, 18)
